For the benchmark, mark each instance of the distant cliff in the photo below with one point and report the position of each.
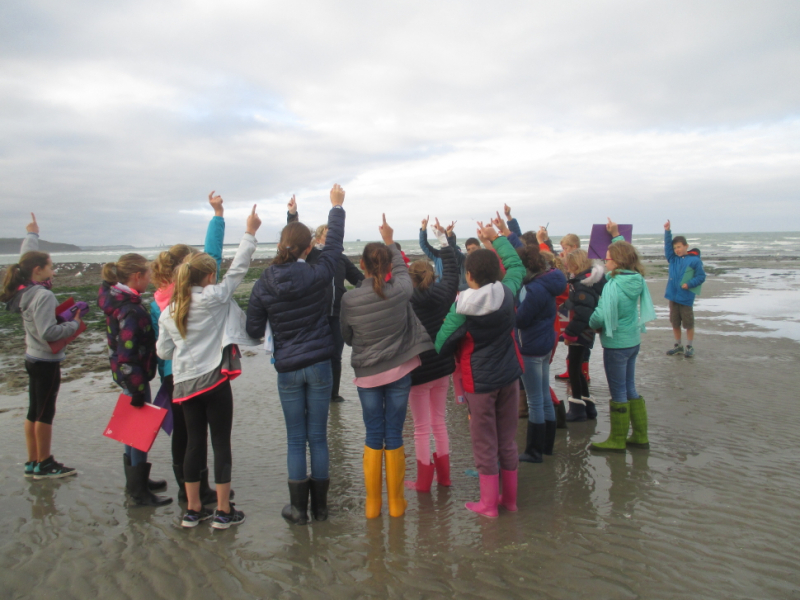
(11, 246)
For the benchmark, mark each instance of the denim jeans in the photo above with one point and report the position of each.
(537, 387)
(137, 457)
(384, 410)
(305, 397)
(620, 365)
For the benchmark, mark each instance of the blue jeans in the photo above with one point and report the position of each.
(305, 397)
(537, 387)
(384, 410)
(620, 365)
(137, 457)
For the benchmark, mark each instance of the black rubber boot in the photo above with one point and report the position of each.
(297, 510)
(577, 411)
(319, 498)
(178, 470)
(561, 416)
(336, 368)
(549, 437)
(534, 443)
(154, 485)
(136, 486)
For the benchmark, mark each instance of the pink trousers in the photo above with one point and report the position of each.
(428, 402)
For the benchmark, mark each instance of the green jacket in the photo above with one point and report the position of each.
(618, 312)
(515, 271)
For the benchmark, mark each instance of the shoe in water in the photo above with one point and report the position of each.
(689, 352)
(337, 399)
(29, 467)
(677, 349)
(50, 469)
(223, 520)
(192, 518)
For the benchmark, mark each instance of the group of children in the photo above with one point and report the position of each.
(486, 318)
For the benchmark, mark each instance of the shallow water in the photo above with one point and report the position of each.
(709, 512)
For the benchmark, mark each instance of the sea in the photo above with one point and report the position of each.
(711, 245)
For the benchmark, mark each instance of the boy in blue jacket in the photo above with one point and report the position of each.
(686, 276)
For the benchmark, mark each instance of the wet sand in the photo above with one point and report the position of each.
(709, 512)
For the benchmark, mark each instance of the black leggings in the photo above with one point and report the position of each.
(212, 409)
(44, 379)
(577, 381)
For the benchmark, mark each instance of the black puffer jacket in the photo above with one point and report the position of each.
(431, 307)
(294, 297)
(584, 294)
(345, 270)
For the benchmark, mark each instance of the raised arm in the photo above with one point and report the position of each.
(223, 291)
(326, 264)
(400, 276)
(215, 234)
(31, 241)
(427, 249)
(291, 212)
(668, 251)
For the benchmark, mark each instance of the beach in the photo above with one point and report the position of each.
(710, 511)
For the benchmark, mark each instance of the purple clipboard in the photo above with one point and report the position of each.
(164, 400)
(601, 239)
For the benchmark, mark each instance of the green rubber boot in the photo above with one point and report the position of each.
(620, 420)
(638, 438)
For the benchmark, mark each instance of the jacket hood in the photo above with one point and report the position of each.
(483, 301)
(630, 283)
(553, 281)
(162, 296)
(693, 252)
(111, 299)
(14, 305)
(289, 281)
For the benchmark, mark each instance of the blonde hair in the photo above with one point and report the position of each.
(319, 232)
(577, 261)
(626, 258)
(166, 262)
(124, 268)
(571, 240)
(422, 275)
(189, 273)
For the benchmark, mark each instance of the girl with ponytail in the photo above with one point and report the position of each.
(295, 296)
(199, 331)
(378, 321)
(132, 354)
(164, 267)
(26, 291)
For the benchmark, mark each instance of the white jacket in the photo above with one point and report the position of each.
(215, 321)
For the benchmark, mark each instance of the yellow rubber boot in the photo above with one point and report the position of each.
(373, 461)
(395, 475)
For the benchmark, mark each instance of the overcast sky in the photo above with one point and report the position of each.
(119, 117)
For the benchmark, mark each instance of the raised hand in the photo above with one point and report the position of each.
(612, 228)
(253, 222)
(449, 231)
(507, 210)
(487, 231)
(542, 236)
(667, 225)
(501, 225)
(337, 195)
(216, 204)
(436, 225)
(292, 206)
(33, 226)
(424, 225)
(387, 233)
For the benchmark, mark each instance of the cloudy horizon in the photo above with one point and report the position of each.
(120, 118)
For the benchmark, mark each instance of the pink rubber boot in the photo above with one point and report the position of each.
(442, 469)
(424, 478)
(490, 492)
(508, 499)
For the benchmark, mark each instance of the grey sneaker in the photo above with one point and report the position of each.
(224, 520)
(678, 349)
(689, 352)
(192, 518)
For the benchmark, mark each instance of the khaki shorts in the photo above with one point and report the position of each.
(680, 314)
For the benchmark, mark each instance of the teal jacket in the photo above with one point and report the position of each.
(215, 236)
(618, 313)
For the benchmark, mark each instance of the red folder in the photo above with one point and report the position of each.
(58, 345)
(134, 426)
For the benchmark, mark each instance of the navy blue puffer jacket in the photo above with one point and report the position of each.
(294, 297)
(536, 314)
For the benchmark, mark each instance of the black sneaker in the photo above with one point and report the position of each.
(29, 467)
(223, 520)
(192, 518)
(50, 469)
(337, 399)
